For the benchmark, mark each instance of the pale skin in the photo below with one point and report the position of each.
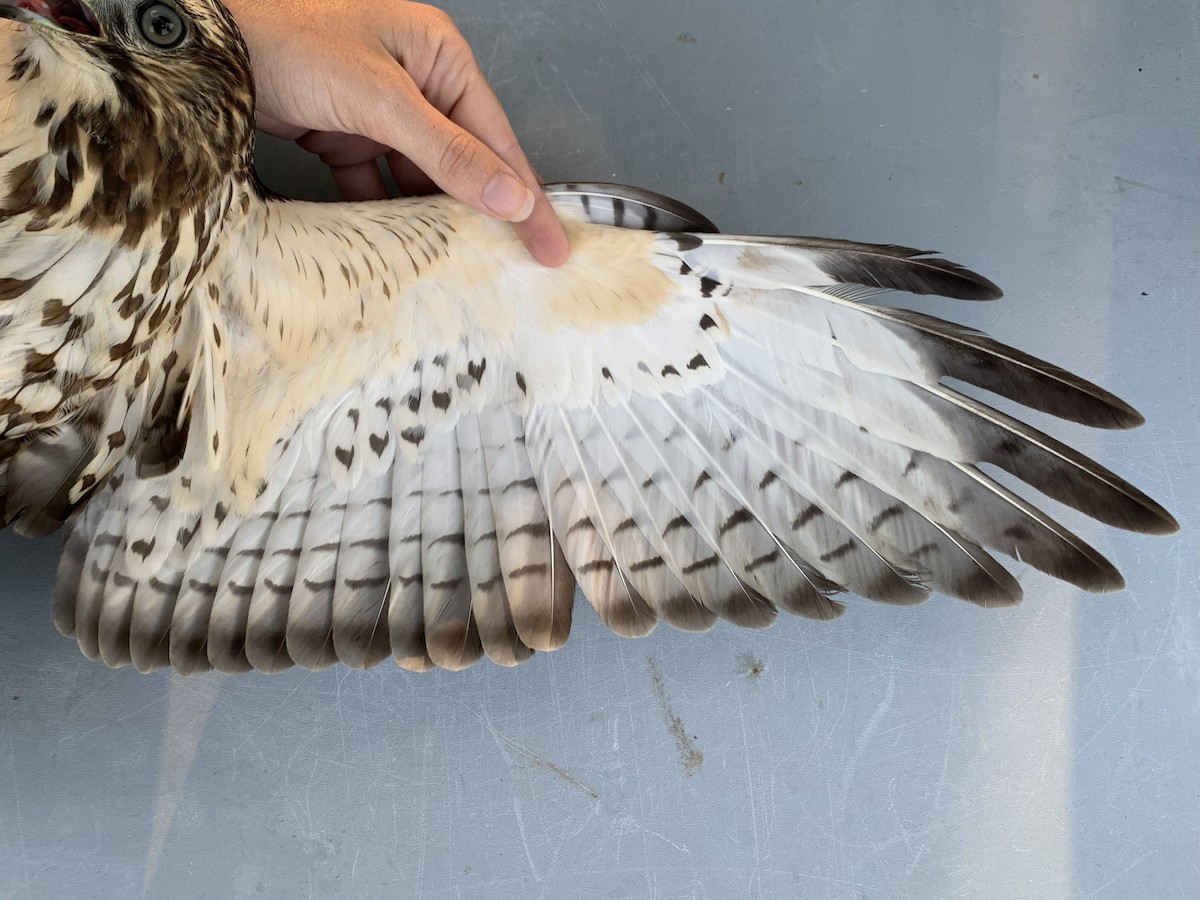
(358, 82)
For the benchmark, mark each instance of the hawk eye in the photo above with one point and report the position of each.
(161, 25)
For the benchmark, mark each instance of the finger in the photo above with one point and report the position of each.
(276, 128)
(480, 113)
(338, 149)
(460, 163)
(360, 181)
(542, 234)
(392, 110)
(409, 177)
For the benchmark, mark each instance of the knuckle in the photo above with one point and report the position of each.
(438, 21)
(459, 158)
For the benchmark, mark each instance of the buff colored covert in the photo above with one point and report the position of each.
(290, 433)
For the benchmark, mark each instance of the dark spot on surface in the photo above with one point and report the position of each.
(441, 400)
(690, 756)
(413, 435)
(606, 373)
(697, 362)
(378, 443)
(521, 383)
(708, 285)
(669, 370)
(686, 38)
(344, 455)
(707, 322)
(704, 477)
(750, 666)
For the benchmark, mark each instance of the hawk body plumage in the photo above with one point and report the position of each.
(286, 433)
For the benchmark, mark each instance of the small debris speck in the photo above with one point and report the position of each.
(720, 178)
(686, 38)
(751, 667)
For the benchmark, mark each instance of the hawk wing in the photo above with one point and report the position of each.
(400, 437)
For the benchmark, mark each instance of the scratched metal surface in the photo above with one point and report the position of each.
(942, 751)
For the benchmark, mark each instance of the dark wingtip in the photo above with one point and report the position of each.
(894, 267)
(953, 281)
(986, 288)
(1158, 520)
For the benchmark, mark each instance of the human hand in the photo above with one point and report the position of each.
(353, 82)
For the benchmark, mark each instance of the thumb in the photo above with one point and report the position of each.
(458, 162)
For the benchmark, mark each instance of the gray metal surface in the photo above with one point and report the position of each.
(941, 751)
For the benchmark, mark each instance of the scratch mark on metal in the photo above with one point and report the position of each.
(553, 768)
(535, 760)
(524, 840)
(189, 704)
(868, 732)
(690, 756)
(641, 68)
(1124, 184)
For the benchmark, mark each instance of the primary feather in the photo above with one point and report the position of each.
(286, 433)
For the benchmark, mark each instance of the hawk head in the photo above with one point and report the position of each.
(146, 106)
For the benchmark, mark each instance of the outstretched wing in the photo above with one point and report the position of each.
(407, 440)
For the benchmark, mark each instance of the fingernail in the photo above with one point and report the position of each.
(508, 198)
